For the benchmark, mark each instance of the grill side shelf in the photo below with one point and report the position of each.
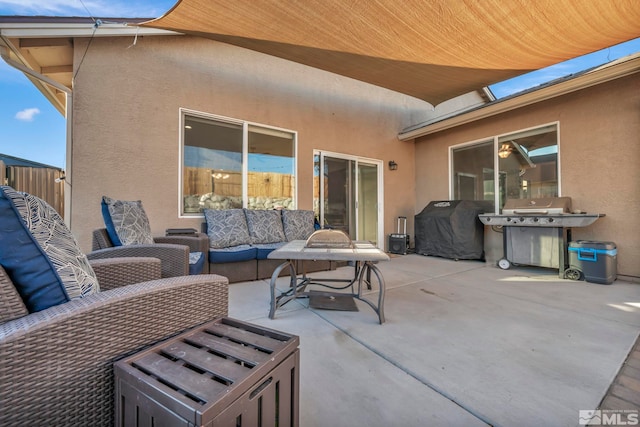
(560, 220)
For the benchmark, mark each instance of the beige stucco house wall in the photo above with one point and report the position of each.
(599, 160)
(123, 131)
(126, 102)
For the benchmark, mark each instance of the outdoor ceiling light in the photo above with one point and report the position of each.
(504, 151)
(393, 165)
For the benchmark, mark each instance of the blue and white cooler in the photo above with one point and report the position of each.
(596, 262)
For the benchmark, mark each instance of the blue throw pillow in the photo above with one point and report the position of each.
(40, 254)
(126, 222)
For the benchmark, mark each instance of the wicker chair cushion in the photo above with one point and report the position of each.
(226, 227)
(40, 254)
(196, 263)
(298, 224)
(265, 226)
(126, 222)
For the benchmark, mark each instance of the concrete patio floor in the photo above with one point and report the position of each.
(464, 344)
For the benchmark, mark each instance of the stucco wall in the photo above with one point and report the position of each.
(126, 104)
(599, 160)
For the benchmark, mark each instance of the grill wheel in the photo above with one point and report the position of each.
(504, 263)
(572, 274)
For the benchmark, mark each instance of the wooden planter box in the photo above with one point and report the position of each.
(224, 373)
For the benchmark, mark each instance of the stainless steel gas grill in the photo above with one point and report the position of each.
(536, 231)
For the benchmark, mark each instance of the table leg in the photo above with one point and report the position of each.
(365, 276)
(290, 294)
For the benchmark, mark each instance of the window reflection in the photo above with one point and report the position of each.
(530, 170)
(527, 167)
(213, 173)
(473, 172)
(271, 183)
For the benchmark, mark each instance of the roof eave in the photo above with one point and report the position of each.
(81, 29)
(16, 28)
(598, 76)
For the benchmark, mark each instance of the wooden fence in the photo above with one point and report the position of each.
(267, 184)
(40, 182)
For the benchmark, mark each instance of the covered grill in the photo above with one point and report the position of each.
(450, 229)
(536, 231)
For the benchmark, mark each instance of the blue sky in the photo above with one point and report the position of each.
(32, 129)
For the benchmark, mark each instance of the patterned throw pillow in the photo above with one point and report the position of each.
(126, 222)
(40, 254)
(265, 226)
(226, 227)
(298, 224)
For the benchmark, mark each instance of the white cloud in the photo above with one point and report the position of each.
(27, 114)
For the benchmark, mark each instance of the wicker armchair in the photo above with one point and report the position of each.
(56, 365)
(172, 250)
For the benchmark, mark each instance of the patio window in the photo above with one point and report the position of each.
(519, 165)
(229, 163)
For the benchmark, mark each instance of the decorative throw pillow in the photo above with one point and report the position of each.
(126, 222)
(298, 224)
(40, 254)
(265, 226)
(226, 227)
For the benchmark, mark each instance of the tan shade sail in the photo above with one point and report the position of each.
(431, 49)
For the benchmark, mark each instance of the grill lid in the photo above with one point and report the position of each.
(542, 206)
(330, 239)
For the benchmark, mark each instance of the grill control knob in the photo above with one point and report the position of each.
(535, 219)
(508, 219)
(550, 219)
(521, 219)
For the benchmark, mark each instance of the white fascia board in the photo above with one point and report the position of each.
(39, 30)
(595, 77)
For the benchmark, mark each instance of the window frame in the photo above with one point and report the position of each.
(245, 124)
(496, 159)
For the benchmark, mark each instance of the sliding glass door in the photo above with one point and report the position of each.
(348, 195)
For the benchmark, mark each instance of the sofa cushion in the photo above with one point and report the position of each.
(226, 228)
(232, 254)
(265, 226)
(264, 249)
(298, 224)
(126, 222)
(40, 254)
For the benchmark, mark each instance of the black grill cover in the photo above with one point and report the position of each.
(451, 229)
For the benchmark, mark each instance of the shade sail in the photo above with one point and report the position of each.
(430, 49)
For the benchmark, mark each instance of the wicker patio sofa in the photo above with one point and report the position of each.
(172, 250)
(56, 365)
(240, 241)
(127, 233)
